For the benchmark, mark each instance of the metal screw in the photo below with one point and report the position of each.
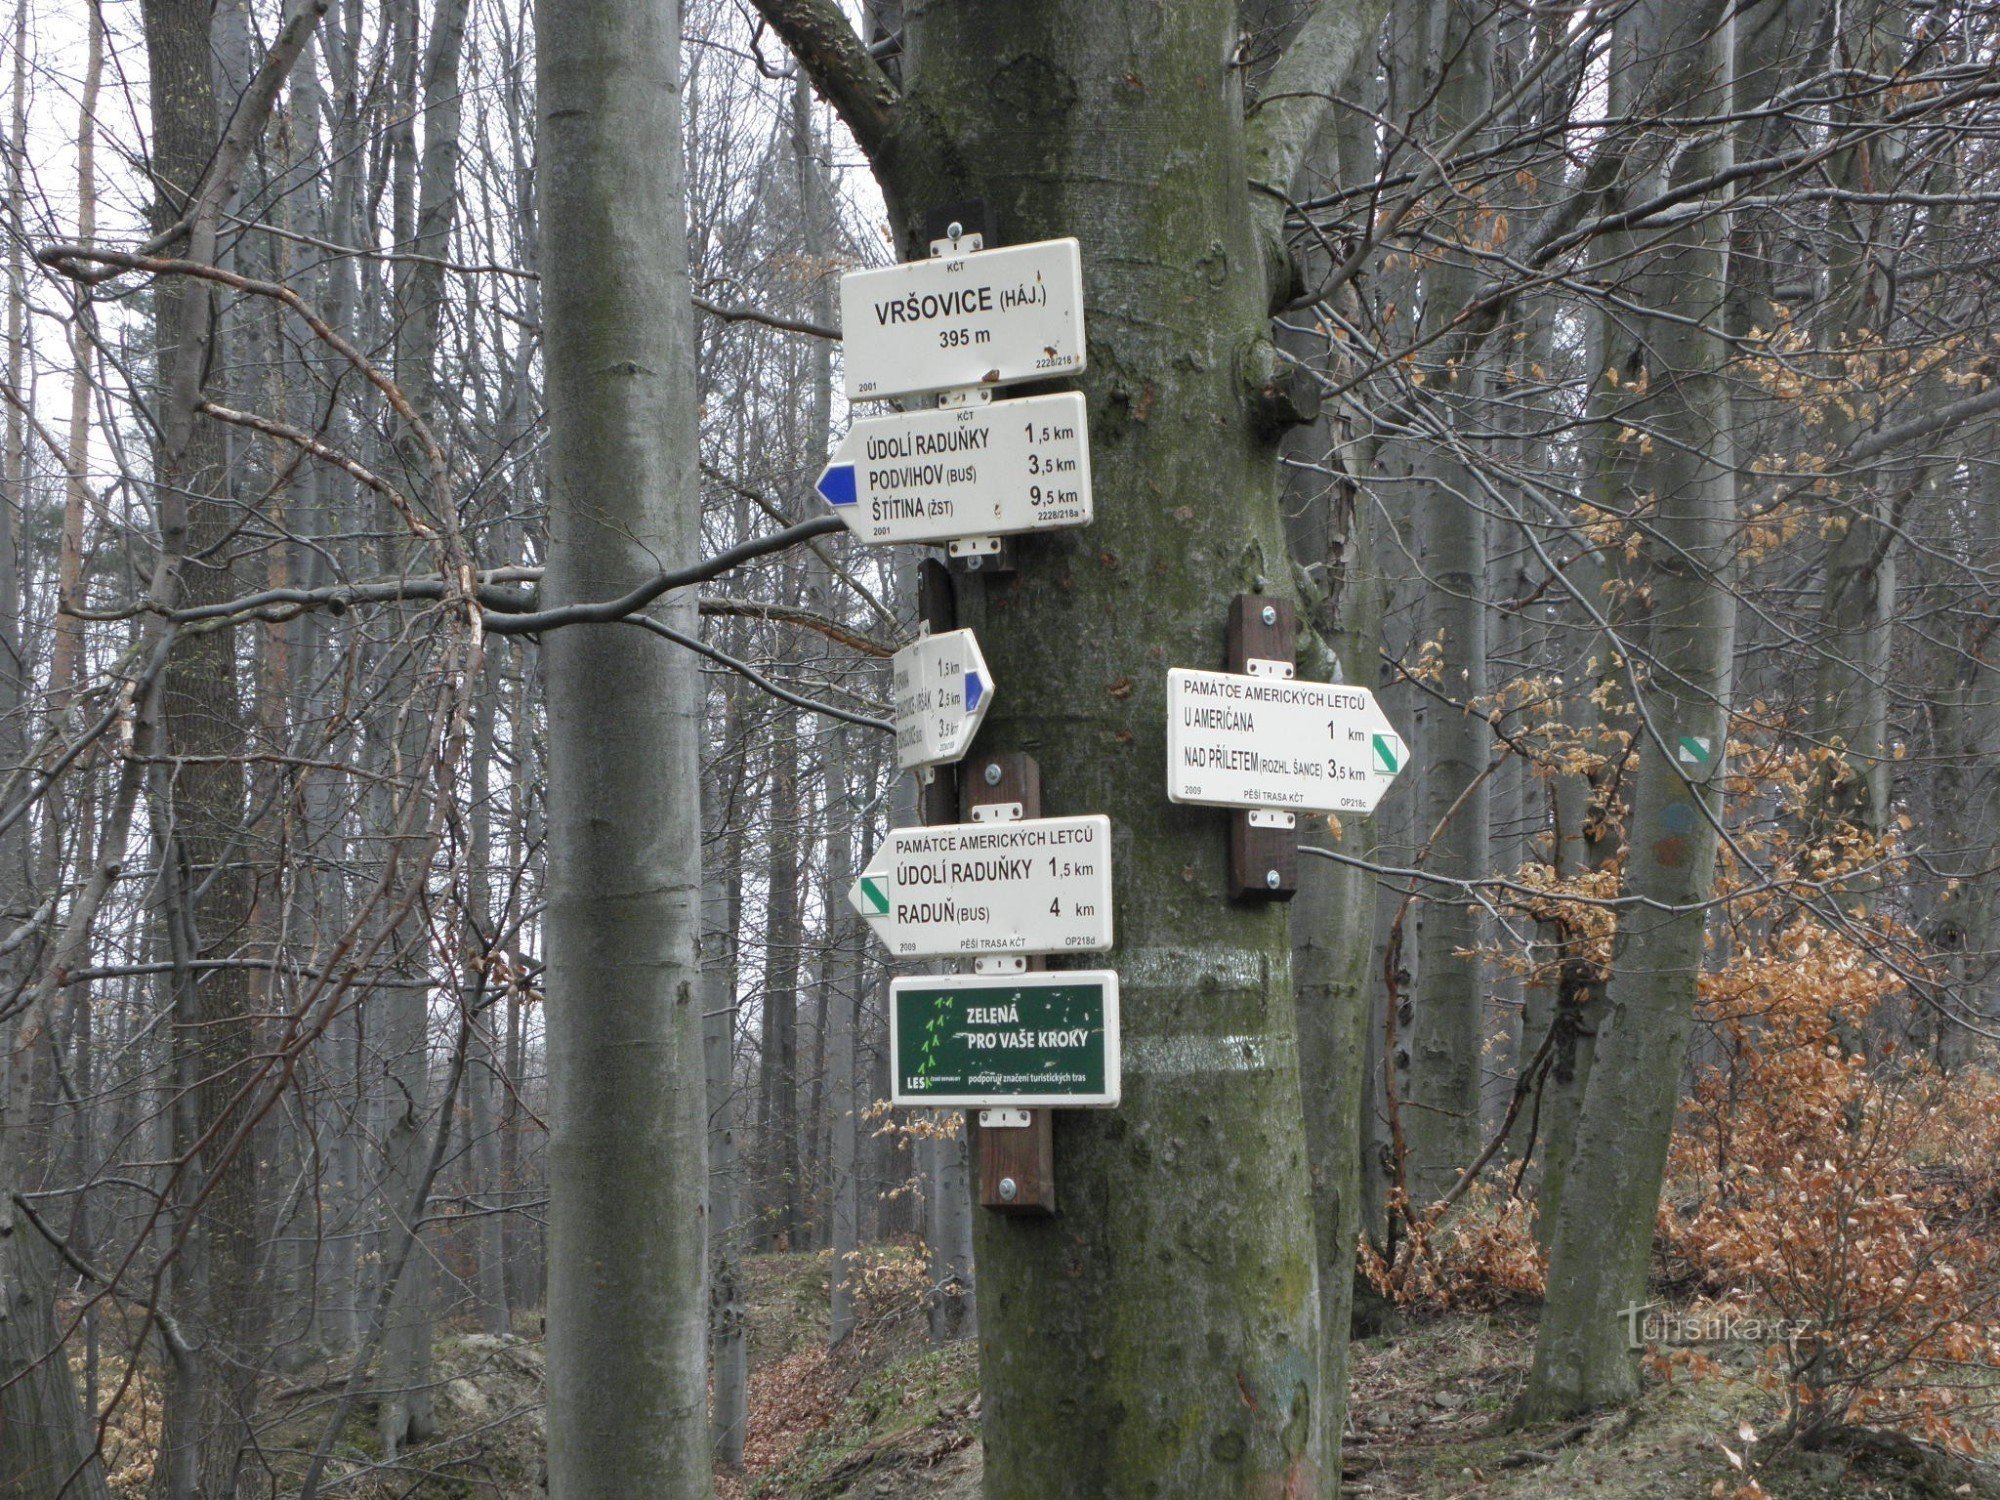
(954, 230)
(993, 774)
(1270, 614)
(1009, 1190)
(974, 563)
(1271, 879)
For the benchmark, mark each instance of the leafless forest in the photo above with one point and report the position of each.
(440, 723)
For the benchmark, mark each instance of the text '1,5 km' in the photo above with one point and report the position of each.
(941, 687)
(1039, 885)
(937, 475)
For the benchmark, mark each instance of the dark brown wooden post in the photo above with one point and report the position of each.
(1020, 1155)
(1263, 860)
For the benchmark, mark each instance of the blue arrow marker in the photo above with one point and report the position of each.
(974, 691)
(837, 484)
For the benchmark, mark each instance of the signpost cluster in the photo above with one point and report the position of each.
(1004, 888)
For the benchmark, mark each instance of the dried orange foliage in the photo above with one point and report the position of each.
(789, 1401)
(1845, 1191)
(1824, 1181)
(1478, 1256)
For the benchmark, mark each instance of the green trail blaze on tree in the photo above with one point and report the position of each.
(1159, 1335)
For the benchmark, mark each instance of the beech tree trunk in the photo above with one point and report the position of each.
(1450, 62)
(628, 1157)
(1160, 1336)
(1603, 1232)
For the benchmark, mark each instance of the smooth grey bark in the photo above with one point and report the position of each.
(1328, 526)
(1850, 714)
(843, 1207)
(940, 1167)
(1450, 54)
(1585, 835)
(948, 1186)
(1161, 1335)
(628, 1157)
(781, 1217)
(729, 1414)
(426, 189)
(1332, 943)
(484, 1082)
(1603, 1231)
(1965, 925)
(205, 892)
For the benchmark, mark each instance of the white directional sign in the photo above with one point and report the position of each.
(935, 476)
(994, 317)
(1269, 742)
(1042, 885)
(942, 689)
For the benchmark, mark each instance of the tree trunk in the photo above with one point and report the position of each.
(1333, 913)
(46, 1446)
(1452, 53)
(207, 892)
(783, 1218)
(721, 911)
(628, 1157)
(1603, 1232)
(1161, 1336)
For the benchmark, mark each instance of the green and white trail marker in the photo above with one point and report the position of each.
(1038, 885)
(1021, 1041)
(1268, 743)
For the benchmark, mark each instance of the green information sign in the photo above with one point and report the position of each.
(1022, 1041)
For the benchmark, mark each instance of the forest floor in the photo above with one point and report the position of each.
(889, 1417)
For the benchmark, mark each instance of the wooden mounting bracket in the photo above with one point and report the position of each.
(1017, 1173)
(1263, 860)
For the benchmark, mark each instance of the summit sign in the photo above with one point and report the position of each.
(990, 318)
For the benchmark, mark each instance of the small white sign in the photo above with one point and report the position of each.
(942, 689)
(1269, 742)
(993, 317)
(938, 475)
(1042, 885)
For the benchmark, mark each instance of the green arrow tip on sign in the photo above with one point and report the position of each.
(1385, 755)
(876, 894)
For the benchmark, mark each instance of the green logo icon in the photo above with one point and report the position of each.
(1695, 751)
(875, 892)
(1386, 761)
